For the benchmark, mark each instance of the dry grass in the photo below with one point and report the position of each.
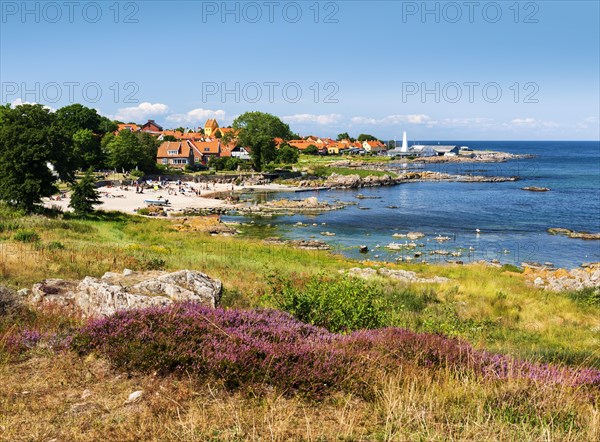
(41, 399)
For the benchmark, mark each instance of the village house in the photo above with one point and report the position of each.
(188, 135)
(176, 154)
(243, 153)
(335, 148)
(131, 127)
(203, 150)
(222, 131)
(375, 146)
(152, 127)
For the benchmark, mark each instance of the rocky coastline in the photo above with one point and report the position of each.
(355, 181)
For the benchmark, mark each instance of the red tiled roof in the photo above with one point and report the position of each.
(206, 147)
(301, 144)
(183, 149)
(131, 127)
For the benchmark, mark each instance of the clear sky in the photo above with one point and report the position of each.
(464, 70)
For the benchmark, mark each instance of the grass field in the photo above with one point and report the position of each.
(492, 308)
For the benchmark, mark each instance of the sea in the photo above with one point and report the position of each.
(495, 221)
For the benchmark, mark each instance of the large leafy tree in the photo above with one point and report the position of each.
(128, 150)
(34, 154)
(366, 137)
(257, 131)
(85, 128)
(149, 148)
(87, 149)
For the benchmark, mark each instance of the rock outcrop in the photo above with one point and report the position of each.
(402, 275)
(299, 243)
(93, 297)
(572, 234)
(8, 299)
(559, 280)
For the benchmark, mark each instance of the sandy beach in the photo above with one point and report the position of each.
(185, 196)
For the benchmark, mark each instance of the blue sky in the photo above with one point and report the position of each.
(439, 70)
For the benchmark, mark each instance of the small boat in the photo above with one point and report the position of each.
(157, 202)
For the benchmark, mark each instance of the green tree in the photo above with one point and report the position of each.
(73, 119)
(287, 154)
(311, 150)
(34, 154)
(149, 148)
(169, 138)
(87, 149)
(84, 195)
(123, 151)
(128, 150)
(366, 137)
(343, 136)
(257, 130)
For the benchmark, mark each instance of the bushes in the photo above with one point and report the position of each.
(287, 154)
(337, 304)
(243, 348)
(589, 296)
(28, 236)
(267, 348)
(227, 163)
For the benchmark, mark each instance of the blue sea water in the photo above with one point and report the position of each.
(513, 222)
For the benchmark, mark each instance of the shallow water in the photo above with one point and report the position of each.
(512, 221)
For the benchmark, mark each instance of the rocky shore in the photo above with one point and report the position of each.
(284, 206)
(299, 243)
(572, 234)
(559, 280)
(478, 156)
(336, 181)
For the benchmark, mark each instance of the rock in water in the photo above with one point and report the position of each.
(93, 297)
(536, 189)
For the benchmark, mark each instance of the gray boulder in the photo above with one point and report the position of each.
(93, 297)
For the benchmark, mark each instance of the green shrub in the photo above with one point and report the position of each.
(8, 226)
(55, 245)
(26, 236)
(588, 296)
(137, 173)
(154, 264)
(339, 304)
(511, 268)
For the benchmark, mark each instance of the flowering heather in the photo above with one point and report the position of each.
(22, 341)
(242, 347)
(270, 348)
